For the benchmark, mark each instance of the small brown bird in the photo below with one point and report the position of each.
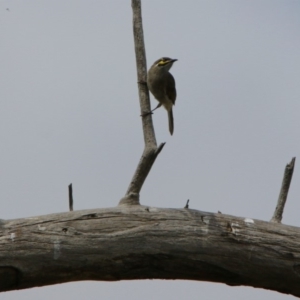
(161, 84)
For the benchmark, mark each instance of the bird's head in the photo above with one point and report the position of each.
(164, 63)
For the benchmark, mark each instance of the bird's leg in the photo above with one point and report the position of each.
(151, 111)
(158, 105)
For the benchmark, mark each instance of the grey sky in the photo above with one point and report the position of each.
(69, 113)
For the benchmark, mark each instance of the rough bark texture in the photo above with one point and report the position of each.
(140, 242)
(287, 178)
(151, 150)
(141, 68)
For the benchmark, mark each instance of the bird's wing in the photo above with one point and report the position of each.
(170, 89)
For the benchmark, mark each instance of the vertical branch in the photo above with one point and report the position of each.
(151, 150)
(286, 181)
(141, 67)
(70, 197)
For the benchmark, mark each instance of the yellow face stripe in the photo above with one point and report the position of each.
(163, 62)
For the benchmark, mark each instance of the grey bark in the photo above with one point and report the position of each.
(151, 150)
(285, 186)
(140, 242)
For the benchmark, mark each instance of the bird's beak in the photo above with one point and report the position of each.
(173, 60)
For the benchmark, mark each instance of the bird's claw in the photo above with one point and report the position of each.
(147, 113)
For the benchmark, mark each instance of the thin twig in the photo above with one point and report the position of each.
(70, 197)
(160, 147)
(187, 203)
(287, 178)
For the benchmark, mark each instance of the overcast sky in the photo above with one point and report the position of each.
(70, 113)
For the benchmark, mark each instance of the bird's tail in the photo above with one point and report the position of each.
(171, 121)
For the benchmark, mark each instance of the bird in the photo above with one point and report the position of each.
(161, 84)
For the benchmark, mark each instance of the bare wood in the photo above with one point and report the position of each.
(151, 150)
(141, 67)
(138, 242)
(187, 203)
(70, 197)
(286, 181)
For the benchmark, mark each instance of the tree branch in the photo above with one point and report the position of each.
(150, 151)
(286, 181)
(140, 242)
(70, 197)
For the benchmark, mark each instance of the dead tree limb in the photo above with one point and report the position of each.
(70, 197)
(151, 150)
(127, 243)
(286, 181)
